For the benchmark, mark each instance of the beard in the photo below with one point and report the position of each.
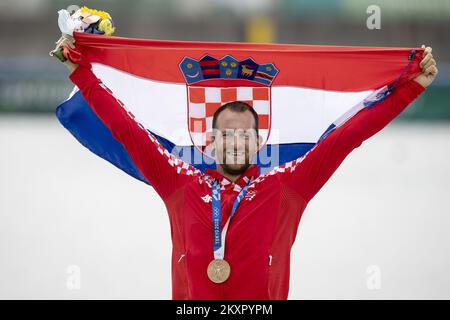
(235, 161)
(237, 165)
(235, 169)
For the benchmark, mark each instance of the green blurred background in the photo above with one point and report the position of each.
(33, 82)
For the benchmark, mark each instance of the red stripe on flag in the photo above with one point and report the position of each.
(321, 67)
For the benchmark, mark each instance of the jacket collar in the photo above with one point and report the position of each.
(250, 174)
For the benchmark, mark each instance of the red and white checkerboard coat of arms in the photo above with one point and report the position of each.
(212, 83)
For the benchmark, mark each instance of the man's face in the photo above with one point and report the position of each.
(235, 140)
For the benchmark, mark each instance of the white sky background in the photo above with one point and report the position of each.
(60, 205)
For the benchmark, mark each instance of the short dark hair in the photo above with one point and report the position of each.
(236, 106)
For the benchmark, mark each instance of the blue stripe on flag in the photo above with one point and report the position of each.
(77, 117)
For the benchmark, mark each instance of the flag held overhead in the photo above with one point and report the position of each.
(300, 92)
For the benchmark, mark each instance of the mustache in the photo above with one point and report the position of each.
(236, 156)
(235, 147)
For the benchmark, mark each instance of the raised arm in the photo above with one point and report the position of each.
(309, 173)
(163, 171)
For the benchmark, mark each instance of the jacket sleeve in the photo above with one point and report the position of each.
(309, 173)
(165, 172)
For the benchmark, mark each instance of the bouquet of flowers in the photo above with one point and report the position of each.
(82, 20)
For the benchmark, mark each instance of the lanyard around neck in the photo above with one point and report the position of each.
(218, 234)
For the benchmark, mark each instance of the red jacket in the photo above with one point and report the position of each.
(264, 227)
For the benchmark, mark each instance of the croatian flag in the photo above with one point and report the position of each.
(300, 92)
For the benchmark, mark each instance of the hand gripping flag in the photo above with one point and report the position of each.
(300, 92)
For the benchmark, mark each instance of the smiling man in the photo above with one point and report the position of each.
(235, 127)
(252, 218)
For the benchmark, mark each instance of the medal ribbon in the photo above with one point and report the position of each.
(218, 234)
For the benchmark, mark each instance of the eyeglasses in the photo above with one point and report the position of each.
(239, 133)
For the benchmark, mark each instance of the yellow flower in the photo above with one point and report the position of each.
(107, 27)
(102, 14)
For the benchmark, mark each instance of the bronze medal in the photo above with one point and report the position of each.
(218, 270)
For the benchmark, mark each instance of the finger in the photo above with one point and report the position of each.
(430, 70)
(433, 70)
(67, 42)
(428, 50)
(431, 62)
(425, 60)
(423, 46)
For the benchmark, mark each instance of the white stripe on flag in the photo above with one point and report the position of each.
(299, 115)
